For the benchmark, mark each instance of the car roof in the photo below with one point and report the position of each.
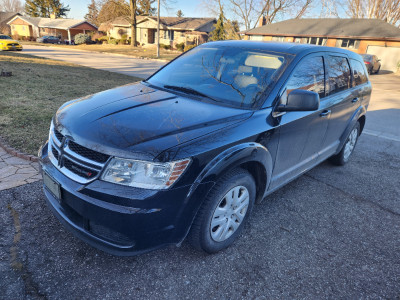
(282, 47)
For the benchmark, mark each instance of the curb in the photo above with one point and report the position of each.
(14, 152)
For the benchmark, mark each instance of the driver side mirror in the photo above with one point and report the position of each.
(300, 100)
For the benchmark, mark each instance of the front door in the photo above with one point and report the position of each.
(301, 133)
(150, 36)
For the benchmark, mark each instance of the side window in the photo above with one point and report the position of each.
(339, 74)
(359, 74)
(309, 75)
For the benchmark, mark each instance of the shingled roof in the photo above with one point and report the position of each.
(171, 22)
(53, 23)
(6, 16)
(339, 28)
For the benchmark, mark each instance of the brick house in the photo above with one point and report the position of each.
(33, 27)
(4, 18)
(371, 36)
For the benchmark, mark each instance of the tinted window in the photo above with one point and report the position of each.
(358, 72)
(339, 74)
(309, 75)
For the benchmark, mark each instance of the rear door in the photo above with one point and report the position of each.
(301, 133)
(343, 101)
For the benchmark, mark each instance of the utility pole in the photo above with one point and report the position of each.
(158, 28)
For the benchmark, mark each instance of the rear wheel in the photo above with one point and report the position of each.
(343, 156)
(377, 71)
(224, 212)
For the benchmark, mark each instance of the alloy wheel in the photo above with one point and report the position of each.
(229, 213)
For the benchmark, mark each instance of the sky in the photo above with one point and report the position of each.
(190, 8)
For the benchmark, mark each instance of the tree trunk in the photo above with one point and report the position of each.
(133, 22)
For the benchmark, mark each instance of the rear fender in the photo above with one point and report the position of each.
(361, 111)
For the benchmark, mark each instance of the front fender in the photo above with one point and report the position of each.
(233, 157)
(222, 163)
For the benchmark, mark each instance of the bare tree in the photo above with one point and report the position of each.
(386, 10)
(11, 6)
(249, 12)
(329, 9)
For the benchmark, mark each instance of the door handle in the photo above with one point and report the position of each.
(355, 99)
(325, 113)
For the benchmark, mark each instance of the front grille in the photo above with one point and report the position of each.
(109, 234)
(79, 170)
(79, 163)
(58, 135)
(88, 153)
(55, 153)
(12, 44)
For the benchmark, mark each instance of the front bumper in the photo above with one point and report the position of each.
(10, 48)
(118, 219)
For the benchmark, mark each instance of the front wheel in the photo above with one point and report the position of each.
(224, 212)
(343, 156)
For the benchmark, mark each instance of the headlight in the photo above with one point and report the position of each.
(144, 174)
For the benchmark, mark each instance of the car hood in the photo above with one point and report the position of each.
(138, 121)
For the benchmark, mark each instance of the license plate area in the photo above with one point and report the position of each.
(52, 186)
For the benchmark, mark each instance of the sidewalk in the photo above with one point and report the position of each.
(15, 171)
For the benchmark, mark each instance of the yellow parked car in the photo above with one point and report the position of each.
(7, 43)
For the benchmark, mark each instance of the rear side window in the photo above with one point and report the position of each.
(339, 74)
(359, 74)
(309, 75)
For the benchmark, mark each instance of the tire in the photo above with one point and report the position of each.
(377, 71)
(220, 221)
(344, 155)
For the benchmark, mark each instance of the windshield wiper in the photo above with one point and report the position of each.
(188, 90)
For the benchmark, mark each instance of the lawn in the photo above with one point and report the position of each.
(140, 52)
(30, 97)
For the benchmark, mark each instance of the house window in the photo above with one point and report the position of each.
(278, 38)
(317, 41)
(311, 40)
(303, 40)
(348, 43)
(168, 34)
(256, 38)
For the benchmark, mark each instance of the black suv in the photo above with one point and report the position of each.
(189, 151)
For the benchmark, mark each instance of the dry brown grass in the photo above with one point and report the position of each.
(140, 52)
(30, 97)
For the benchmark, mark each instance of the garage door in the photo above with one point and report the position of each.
(389, 56)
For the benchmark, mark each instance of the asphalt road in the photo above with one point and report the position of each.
(332, 233)
(123, 64)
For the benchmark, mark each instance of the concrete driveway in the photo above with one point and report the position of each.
(141, 68)
(332, 233)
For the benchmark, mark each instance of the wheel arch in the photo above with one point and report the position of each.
(358, 116)
(253, 157)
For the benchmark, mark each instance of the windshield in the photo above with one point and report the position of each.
(5, 37)
(229, 75)
(366, 57)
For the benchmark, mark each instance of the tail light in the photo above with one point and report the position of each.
(367, 62)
